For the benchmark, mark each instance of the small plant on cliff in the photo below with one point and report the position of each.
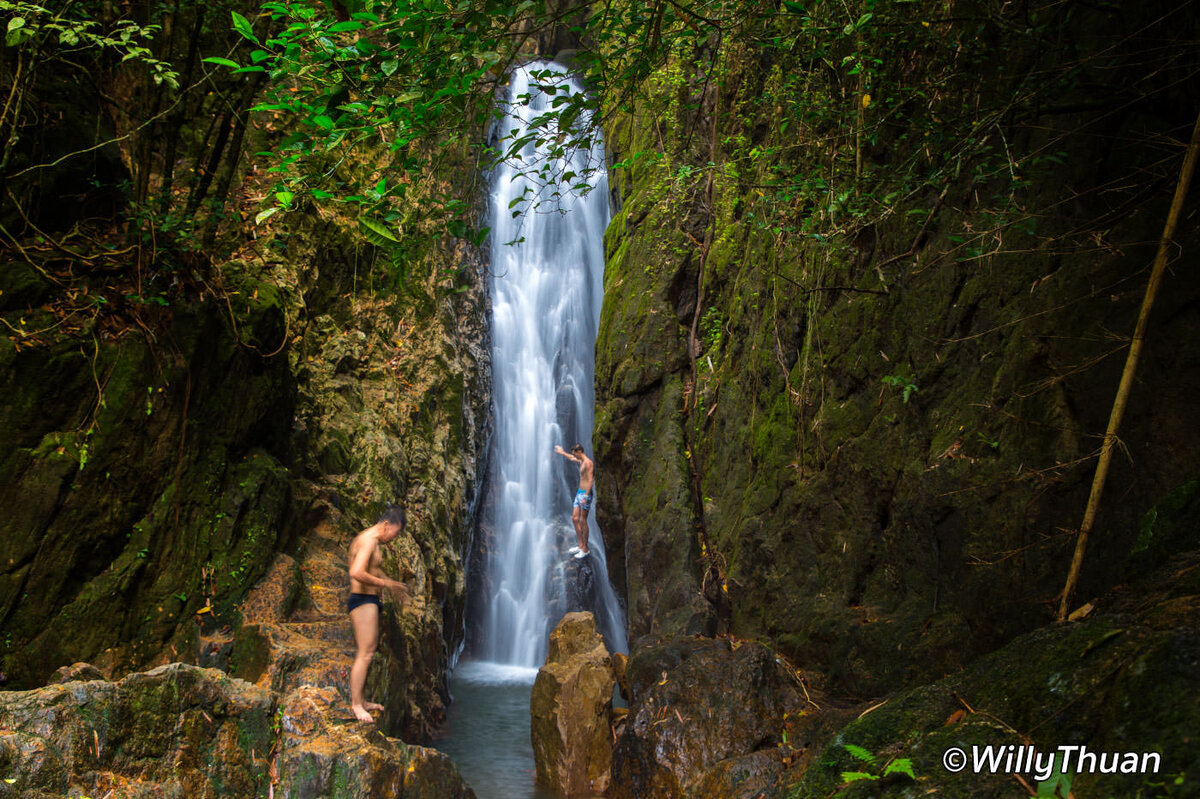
(711, 325)
(900, 765)
(901, 382)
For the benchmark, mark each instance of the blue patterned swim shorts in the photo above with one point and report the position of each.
(583, 500)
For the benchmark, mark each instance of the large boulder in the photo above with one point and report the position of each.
(174, 731)
(701, 709)
(571, 709)
(183, 731)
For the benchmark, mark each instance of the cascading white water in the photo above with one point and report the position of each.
(547, 266)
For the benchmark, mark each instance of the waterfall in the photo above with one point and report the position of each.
(547, 266)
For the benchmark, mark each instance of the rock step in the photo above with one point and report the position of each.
(337, 632)
(327, 581)
(330, 602)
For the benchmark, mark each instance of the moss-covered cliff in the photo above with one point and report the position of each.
(161, 446)
(867, 302)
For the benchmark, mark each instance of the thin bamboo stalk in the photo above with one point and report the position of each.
(1131, 361)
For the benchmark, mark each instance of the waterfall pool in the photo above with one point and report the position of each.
(487, 730)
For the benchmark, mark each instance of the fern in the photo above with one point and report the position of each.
(855, 776)
(860, 753)
(900, 766)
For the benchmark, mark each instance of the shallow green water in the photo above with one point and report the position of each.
(487, 730)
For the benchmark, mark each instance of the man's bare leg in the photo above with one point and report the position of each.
(579, 519)
(365, 619)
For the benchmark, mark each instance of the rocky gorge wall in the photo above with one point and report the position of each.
(865, 433)
(157, 459)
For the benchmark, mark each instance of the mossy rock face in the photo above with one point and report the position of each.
(22, 286)
(870, 459)
(174, 729)
(320, 757)
(120, 526)
(1111, 683)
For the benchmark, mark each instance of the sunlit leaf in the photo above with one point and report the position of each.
(243, 26)
(376, 232)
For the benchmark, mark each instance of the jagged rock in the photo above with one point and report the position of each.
(580, 578)
(699, 702)
(187, 732)
(571, 709)
(177, 730)
(621, 670)
(277, 594)
(76, 672)
(323, 759)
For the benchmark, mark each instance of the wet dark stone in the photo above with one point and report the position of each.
(698, 702)
(581, 586)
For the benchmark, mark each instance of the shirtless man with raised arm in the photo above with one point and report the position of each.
(583, 497)
(366, 582)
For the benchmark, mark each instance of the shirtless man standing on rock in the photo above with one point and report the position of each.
(583, 497)
(366, 582)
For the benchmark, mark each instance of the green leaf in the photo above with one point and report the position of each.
(243, 26)
(795, 8)
(258, 56)
(376, 232)
(263, 216)
(16, 22)
(349, 25)
(901, 766)
(856, 776)
(389, 67)
(284, 197)
(323, 122)
(859, 753)
(225, 62)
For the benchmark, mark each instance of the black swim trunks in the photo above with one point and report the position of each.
(358, 600)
